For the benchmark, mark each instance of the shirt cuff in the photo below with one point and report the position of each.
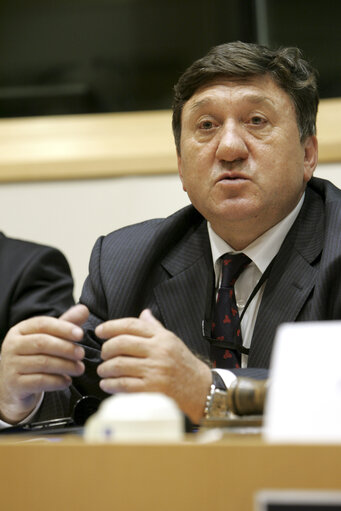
(227, 376)
(27, 419)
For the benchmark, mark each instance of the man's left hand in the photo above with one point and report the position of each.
(140, 355)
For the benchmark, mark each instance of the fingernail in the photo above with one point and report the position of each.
(103, 385)
(99, 330)
(77, 332)
(79, 352)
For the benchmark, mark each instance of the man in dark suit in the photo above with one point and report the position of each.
(34, 280)
(244, 125)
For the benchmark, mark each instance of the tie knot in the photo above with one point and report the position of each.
(233, 265)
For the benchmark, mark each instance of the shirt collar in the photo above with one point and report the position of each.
(263, 249)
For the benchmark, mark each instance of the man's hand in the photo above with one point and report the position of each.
(140, 355)
(39, 355)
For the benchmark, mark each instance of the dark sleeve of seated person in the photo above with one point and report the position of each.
(34, 280)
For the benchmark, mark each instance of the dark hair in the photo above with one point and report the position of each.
(239, 60)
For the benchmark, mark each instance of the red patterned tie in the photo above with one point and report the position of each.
(226, 323)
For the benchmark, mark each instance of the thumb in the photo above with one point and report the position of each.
(77, 314)
(146, 315)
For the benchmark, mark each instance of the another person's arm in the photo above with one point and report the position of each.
(35, 280)
(39, 354)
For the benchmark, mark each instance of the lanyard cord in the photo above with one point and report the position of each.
(257, 287)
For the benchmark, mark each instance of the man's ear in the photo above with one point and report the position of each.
(180, 171)
(310, 157)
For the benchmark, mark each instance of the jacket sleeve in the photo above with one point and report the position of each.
(44, 286)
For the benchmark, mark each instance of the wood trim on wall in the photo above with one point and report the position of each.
(116, 144)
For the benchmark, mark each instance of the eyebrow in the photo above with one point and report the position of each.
(258, 98)
(251, 98)
(198, 104)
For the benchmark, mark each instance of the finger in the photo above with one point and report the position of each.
(132, 326)
(49, 365)
(36, 383)
(128, 345)
(125, 384)
(121, 366)
(146, 315)
(78, 314)
(43, 344)
(53, 326)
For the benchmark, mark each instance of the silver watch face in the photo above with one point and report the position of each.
(218, 404)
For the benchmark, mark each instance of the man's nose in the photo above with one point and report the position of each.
(232, 145)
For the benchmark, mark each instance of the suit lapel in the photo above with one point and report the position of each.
(291, 279)
(182, 298)
(285, 294)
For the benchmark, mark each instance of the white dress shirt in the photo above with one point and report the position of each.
(261, 252)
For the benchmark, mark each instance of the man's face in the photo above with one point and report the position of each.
(242, 162)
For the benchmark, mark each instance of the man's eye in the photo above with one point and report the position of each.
(257, 120)
(206, 125)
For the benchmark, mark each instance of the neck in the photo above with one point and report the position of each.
(240, 234)
(239, 238)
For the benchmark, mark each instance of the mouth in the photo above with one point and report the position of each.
(232, 177)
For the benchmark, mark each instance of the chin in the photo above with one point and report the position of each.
(237, 210)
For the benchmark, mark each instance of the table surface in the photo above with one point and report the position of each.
(66, 473)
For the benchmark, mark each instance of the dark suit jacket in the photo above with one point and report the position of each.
(166, 265)
(34, 280)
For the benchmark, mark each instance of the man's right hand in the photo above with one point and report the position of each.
(39, 355)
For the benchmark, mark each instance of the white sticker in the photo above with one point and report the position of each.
(303, 403)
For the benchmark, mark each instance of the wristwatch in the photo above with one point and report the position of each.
(216, 402)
